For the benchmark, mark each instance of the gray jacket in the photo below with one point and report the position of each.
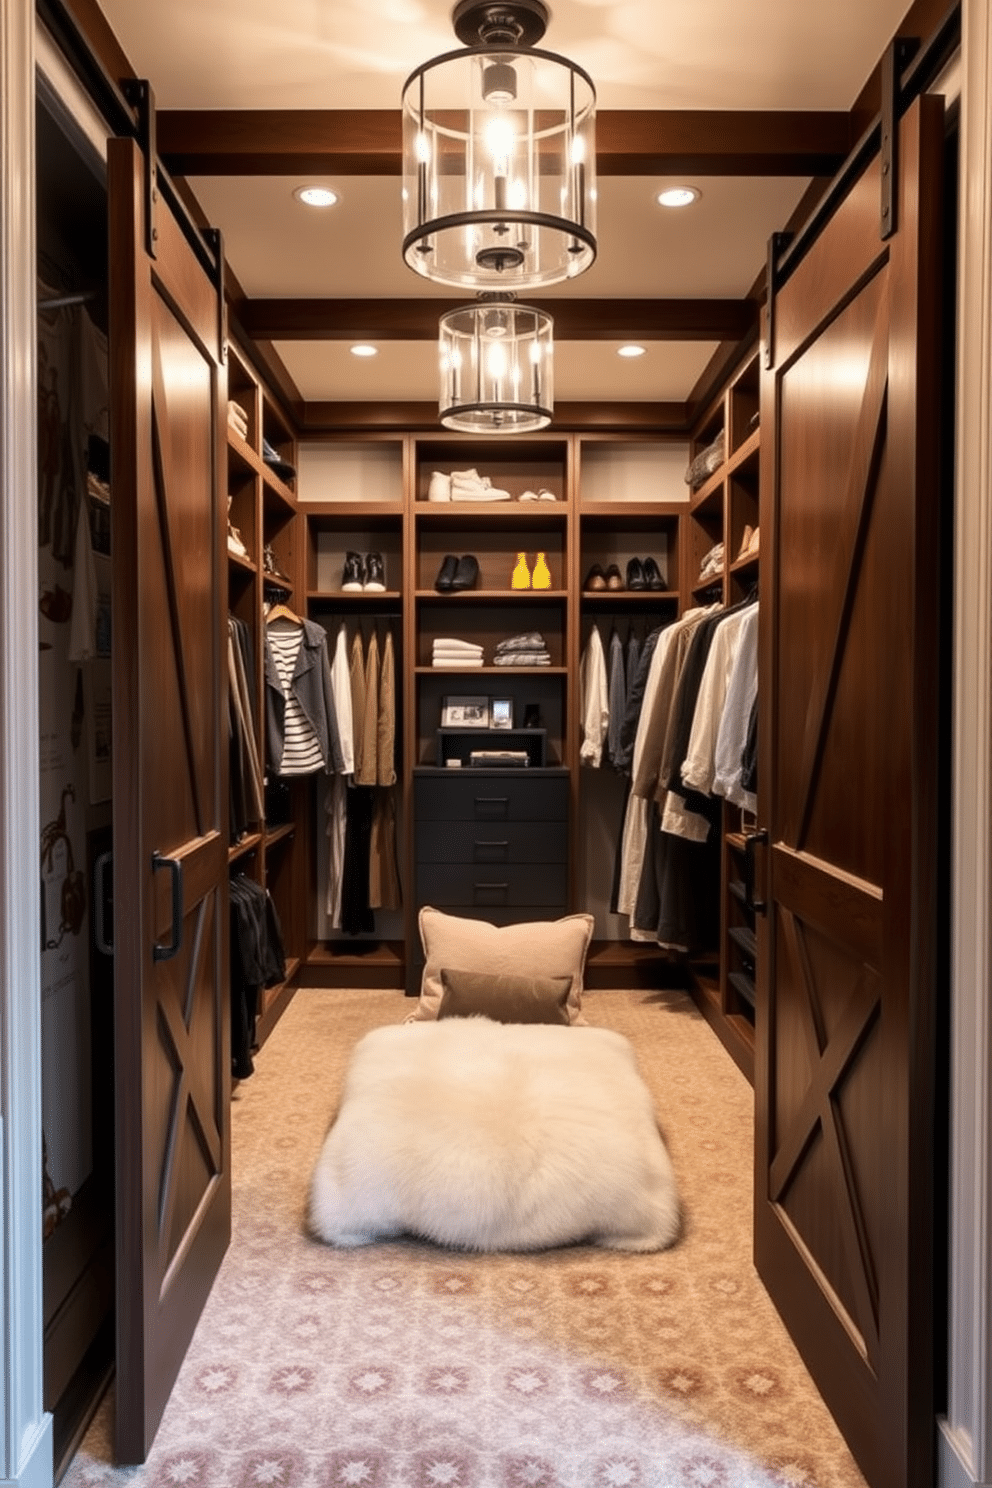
(312, 689)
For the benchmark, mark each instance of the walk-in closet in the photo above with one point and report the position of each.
(681, 660)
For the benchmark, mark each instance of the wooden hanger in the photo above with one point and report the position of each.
(282, 612)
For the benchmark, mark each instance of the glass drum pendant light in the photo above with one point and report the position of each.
(499, 156)
(497, 367)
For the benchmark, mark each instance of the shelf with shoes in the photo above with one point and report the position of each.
(452, 473)
(632, 559)
(488, 562)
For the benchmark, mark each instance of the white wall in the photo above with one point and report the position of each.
(25, 1430)
(965, 1436)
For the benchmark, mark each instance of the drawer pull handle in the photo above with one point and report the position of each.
(491, 800)
(503, 886)
(504, 843)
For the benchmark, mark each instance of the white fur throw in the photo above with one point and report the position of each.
(491, 1136)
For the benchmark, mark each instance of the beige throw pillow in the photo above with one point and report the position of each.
(504, 999)
(538, 948)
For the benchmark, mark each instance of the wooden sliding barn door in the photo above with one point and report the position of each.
(847, 780)
(170, 797)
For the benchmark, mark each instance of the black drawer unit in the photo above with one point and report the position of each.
(510, 795)
(456, 886)
(490, 844)
(487, 841)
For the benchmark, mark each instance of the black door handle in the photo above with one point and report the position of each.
(175, 867)
(751, 841)
(103, 902)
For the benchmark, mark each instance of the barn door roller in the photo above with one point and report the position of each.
(141, 97)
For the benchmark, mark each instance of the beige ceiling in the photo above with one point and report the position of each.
(720, 54)
(342, 54)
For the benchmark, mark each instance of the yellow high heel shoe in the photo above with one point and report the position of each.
(521, 574)
(541, 578)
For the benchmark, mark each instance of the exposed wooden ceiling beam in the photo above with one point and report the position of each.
(336, 418)
(630, 142)
(575, 319)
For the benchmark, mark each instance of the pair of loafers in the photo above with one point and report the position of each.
(456, 574)
(642, 573)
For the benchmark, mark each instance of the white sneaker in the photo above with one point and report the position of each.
(467, 486)
(439, 488)
(546, 495)
(529, 496)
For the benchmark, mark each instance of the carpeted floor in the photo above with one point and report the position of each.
(406, 1366)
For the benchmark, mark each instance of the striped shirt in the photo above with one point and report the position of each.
(301, 749)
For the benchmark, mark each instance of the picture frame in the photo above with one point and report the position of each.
(465, 712)
(501, 713)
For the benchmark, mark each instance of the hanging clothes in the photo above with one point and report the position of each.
(356, 670)
(244, 747)
(742, 691)
(257, 961)
(341, 692)
(595, 702)
(363, 873)
(688, 811)
(301, 721)
(367, 762)
(617, 695)
(386, 731)
(336, 807)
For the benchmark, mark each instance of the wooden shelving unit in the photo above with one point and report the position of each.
(721, 509)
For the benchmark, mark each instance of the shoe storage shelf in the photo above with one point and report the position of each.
(261, 559)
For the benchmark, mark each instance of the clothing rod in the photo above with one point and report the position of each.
(68, 299)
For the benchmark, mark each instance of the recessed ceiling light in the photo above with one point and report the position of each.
(364, 351)
(317, 196)
(631, 351)
(678, 196)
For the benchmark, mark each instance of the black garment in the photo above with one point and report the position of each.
(257, 961)
(357, 917)
(636, 684)
(637, 677)
(749, 754)
(678, 893)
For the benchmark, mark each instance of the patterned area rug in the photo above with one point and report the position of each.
(403, 1365)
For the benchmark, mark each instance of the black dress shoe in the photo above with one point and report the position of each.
(614, 578)
(353, 573)
(375, 573)
(595, 579)
(652, 574)
(446, 573)
(465, 574)
(635, 575)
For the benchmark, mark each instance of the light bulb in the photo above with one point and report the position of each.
(500, 139)
(496, 361)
